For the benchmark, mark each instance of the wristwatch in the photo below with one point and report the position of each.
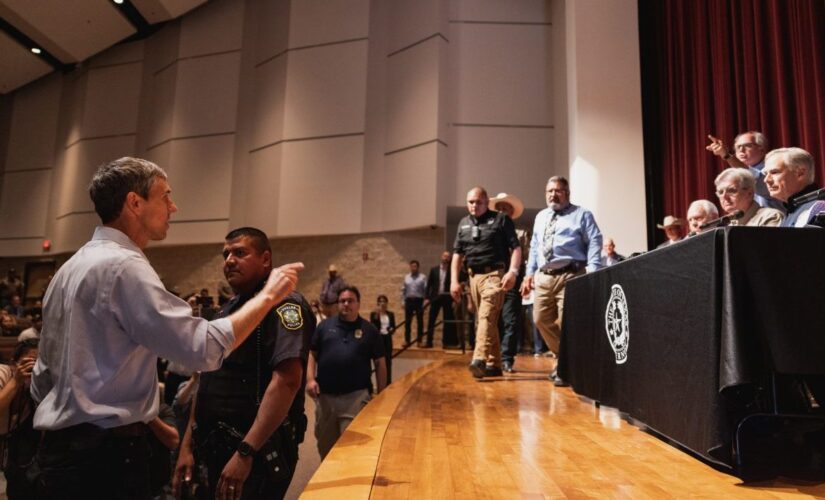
(245, 449)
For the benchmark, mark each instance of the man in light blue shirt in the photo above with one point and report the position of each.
(566, 241)
(106, 319)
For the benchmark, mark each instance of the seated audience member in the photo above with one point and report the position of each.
(609, 255)
(700, 212)
(8, 324)
(32, 332)
(384, 321)
(749, 150)
(789, 174)
(673, 230)
(15, 307)
(16, 414)
(9, 286)
(735, 189)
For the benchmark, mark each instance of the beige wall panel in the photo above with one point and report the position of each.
(200, 172)
(503, 74)
(271, 25)
(163, 47)
(268, 110)
(73, 231)
(606, 143)
(25, 247)
(415, 20)
(320, 189)
(157, 11)
(18, 65)
(119, 54)
(519, 11)
(413, 96)
(504, 159)
(159, 116)
(190, 233)
(326, 90)
(206, 95)
(23, 203)
(410, 188)
(79, 164)
(312, 22)
(111, 103)
(215, 27)
(263, 192)
(33, 130)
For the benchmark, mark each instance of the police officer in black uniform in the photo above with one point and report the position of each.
(488, 242)
(248, 418)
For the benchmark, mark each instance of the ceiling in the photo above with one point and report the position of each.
(68, 32)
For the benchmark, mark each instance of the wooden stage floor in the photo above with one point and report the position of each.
(439, 433)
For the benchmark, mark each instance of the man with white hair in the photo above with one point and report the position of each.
(700, 212)
(789, 174)
(749, 150)
(735, 189)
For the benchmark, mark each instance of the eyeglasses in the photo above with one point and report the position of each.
(729, 191)
(745, 145)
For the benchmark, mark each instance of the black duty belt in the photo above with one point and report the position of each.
(572, 267)
(486, 269)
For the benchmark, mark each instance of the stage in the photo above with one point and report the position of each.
(439, 433)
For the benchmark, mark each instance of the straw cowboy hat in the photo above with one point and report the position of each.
(670, 221)
(513, 200)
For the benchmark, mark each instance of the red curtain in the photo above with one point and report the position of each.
(721, 67)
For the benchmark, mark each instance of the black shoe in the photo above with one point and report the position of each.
(492, 371)
(557, 381)
(477, 368)
(507, 367)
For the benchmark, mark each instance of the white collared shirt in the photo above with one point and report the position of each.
(106, 319)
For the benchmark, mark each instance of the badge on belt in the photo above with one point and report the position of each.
(358, 333)
(290, 315)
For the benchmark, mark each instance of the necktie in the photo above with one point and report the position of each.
(549, 233)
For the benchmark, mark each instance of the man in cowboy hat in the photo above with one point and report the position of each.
(329, 292)
(511, 315)
(672, 227)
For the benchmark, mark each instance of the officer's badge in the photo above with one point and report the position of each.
(290, 315)
(359, 333)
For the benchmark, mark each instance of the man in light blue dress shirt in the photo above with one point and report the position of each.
(566, 241)
(106, 319)
(749, 150)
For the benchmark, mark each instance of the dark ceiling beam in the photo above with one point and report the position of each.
(29, 44)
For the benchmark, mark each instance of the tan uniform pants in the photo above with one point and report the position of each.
(548, 306)
(488, 297)
(334, 413)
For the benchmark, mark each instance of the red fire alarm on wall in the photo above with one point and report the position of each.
(47, 245)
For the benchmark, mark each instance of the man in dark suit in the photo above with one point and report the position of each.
(438, 293)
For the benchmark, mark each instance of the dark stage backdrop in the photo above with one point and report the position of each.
(721, 67)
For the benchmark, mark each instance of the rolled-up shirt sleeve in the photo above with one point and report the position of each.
(163, 323)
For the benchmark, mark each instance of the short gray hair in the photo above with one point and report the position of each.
(116, 179)
(560, 179)
(743, 176)
(709, 208)
(794, 159)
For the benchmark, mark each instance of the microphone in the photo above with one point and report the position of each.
(722, 221)
(819, 194)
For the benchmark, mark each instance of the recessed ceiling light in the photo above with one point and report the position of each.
(118, 1)
(36, 50)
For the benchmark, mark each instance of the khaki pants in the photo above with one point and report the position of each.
(333, 414)
(487, 296)
(548, 306)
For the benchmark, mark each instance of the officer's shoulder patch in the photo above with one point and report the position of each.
(290, 315)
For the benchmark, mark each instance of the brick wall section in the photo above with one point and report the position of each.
(192, 267)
